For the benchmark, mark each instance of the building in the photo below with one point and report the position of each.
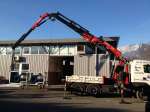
(59, 57)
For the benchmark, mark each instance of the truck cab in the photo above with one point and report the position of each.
(140, 72)
(140, 77)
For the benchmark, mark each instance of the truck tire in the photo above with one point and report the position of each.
(77, 89)
(140, 94)
(93, 90)
(40, 86)
(22, 86)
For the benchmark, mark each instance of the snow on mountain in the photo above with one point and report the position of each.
(129, 48)
(136, 51)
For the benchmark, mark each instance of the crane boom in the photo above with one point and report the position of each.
(86, 35)
(43, 18)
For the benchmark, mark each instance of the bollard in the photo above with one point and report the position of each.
(65, 93)
(122, 95)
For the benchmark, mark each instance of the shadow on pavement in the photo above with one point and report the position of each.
(9, 103)
(13, 106)
(25, 94)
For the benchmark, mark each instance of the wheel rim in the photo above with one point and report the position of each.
(94, 91)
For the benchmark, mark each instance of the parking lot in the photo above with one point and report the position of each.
(35, 100)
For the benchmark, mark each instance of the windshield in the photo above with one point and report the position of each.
(147, 68)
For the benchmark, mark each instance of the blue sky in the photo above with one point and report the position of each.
(129, 19)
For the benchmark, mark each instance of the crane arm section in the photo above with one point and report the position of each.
(39, 22)
(86, 35)
(43, 18)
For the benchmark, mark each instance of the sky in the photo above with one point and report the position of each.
(128, 19)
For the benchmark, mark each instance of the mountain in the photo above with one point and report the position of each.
(129, 48)
(136, 51)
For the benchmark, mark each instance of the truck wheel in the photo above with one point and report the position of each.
(77, 88)
(40, 86)
(140, 94)
(93, 90)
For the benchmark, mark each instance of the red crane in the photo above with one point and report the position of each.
(120, 69)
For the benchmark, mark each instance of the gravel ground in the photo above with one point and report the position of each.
(34, 100)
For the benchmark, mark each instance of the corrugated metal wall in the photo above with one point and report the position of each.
(38, 64)
(84, 65)
(5, 61)
(91, 65)
(103, 65)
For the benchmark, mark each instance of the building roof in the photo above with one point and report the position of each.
(54, 41)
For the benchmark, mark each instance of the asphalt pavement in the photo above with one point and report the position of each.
(46, 100)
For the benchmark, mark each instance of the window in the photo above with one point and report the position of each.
(54, 50)
(9, 50)
(101, 50)
(80, 48)
(34, 49)
(147, 68)
(90, 49)
(64, 50)
(2, 50)
(43, 50)
(71, 50)
(17, 50)
(26, 50)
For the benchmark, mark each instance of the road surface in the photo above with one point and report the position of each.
(34, 100)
